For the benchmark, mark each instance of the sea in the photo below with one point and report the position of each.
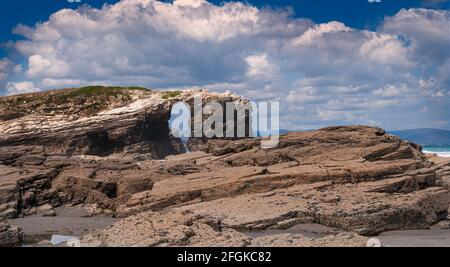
(442, 150)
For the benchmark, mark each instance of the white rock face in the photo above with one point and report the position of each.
(373, 243)
(73, 243)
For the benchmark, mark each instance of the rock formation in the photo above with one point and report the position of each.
(10, 236)
(82, 146)
(111, 148)
(357, 179)
(190, 229)
(97, 121)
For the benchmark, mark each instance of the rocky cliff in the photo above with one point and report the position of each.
(84, 145)
(357, 180)
(97, 121)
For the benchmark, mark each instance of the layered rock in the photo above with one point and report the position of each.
(190, 229)
(354, 178)
(10, 236)
(82, 146)
(118, 157)
(358, 179)
(98, 121)
(443, 172)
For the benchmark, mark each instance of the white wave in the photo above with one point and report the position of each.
(445, 154)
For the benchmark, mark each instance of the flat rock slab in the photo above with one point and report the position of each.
(185, 229)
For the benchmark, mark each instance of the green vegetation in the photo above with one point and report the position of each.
(98, 91)
(84, 101)
(172, 94)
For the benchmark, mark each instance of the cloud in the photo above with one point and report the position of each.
(323, 74)
(37, 64)
(259, 66)
(61, 83)
(4, 68)
(317, 32)
(426, 32)
(14, 88)
(184, 43)
(385, 49)
(391, 90)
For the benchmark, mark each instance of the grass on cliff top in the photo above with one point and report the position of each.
(85, 100)
(107, 89)
(172, 94)
(90, 91)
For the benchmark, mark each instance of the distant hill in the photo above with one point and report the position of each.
(425, 136)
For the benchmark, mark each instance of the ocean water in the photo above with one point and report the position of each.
(442, 151)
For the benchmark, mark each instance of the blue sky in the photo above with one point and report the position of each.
(327, 62)
(354, 13)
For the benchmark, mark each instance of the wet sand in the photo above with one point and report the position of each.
(416, 238)
(71, 221)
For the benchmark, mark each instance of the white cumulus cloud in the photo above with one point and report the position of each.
(14, 88)
(5, 64)
(259, 66)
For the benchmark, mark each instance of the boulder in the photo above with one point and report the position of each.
(10, 236)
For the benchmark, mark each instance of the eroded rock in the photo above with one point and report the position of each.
(112, 159)
(347, 178)
(10, 236)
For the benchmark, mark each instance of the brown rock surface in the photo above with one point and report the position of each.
(98, 121)
(184, 229)
(443, 169)
(10, 236)
(83, 146)
(357, 179)
(297, 240)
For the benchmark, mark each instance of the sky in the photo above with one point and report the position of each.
(378, 62)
